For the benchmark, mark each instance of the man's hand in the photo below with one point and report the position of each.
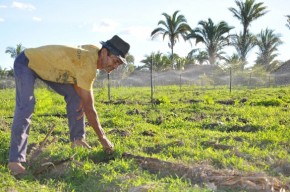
(107, 145)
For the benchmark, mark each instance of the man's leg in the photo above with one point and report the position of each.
(25, 101)
(72, 99)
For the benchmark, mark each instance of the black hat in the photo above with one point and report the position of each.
(117, 46)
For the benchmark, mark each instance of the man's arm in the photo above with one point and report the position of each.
(87, 100)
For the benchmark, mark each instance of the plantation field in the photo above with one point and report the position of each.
(189, 139)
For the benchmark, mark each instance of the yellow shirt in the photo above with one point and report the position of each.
(63, 64)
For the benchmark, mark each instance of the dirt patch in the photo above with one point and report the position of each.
(149, 133)
(142, 188)
(244, 100)
(136, 112)
(245, 128)
(119, 102)
(195, 101)
(133, 112)
(123, 102)
(216, 145)
(123, 133)
(4, 125)
(153, 150)
(158, 121)
(226, 102)
(208, 176)
(281, 167)
(220, 126)
(196, 117)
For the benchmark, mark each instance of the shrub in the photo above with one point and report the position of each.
(208, 100)
(269, 102)
(162, 100)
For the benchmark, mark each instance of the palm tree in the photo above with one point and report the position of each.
(288, 21)
(15, 51)
(267, 42)
(247, 12)
(2, 72)
(159, 62)
(130, 67)
(6, 72)
(191, 58)
(215, 38)
(130, 59)
(181, 62)
(202, 57)
(243, 46)
(233, 62)
(173, 26)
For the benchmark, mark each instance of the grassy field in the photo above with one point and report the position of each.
(190, 139)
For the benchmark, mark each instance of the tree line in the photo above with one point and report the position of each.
(214, 36)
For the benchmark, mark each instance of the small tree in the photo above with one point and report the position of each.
(246, 12)
(268, 42)
(243, 45)
(173, 26)
(180, 62)
(2, 72)
(233, 62)
(214, 36)
(202, 57)
(160, 62)
(14, 51)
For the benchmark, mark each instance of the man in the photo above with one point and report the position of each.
(70, 72)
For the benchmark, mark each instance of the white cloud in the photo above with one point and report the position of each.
(105, 26)
(23, 6)
(2, 20)
(36, 18)
(140, 32)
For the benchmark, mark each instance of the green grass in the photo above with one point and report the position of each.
(246, 130)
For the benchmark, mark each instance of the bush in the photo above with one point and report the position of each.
(269, 102)
(162, 100)
(208, 100)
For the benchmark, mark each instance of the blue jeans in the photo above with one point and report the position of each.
(25, 102)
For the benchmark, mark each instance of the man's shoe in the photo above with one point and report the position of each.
(81, 143)
(16, 168)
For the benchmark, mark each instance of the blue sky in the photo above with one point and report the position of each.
(73, 22)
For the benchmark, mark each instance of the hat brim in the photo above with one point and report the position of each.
(114, 51)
